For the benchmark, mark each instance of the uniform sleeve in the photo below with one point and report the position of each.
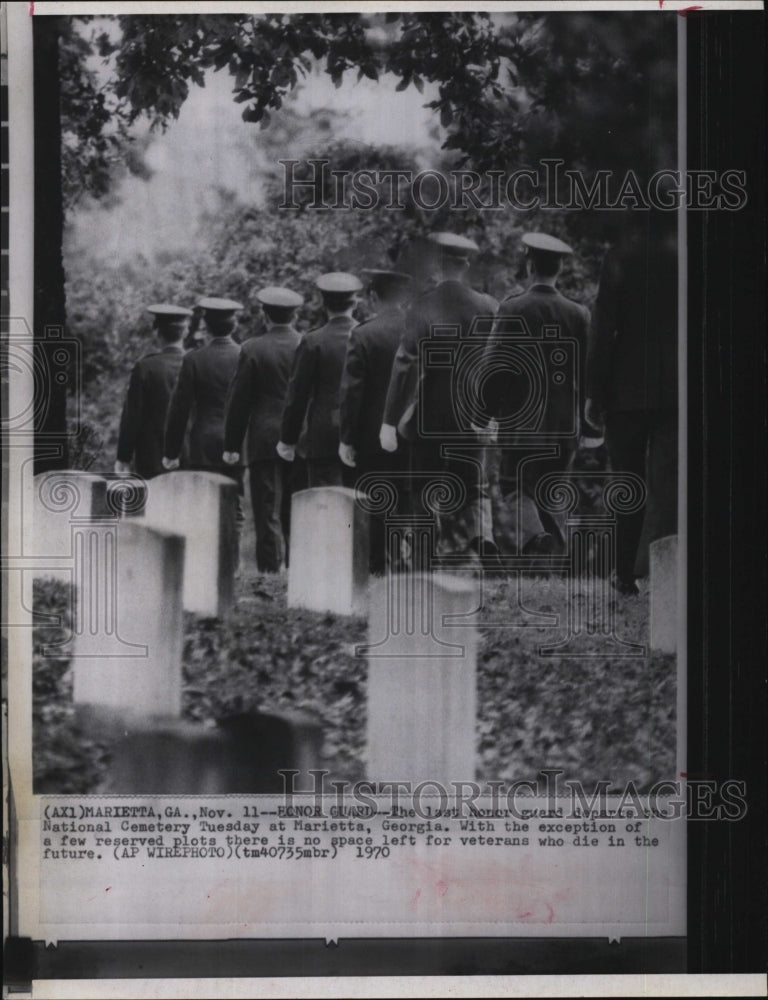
(298, 393)
(179, 410)
(240, 401)
(351, 390)
(504, 386)
(403, 382)
(582, 337)
(130, 420)
(601, 334)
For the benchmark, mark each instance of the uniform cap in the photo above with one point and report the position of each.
(164, 310)
(282, 298)
(219, 305)
(381, 280)
(454, 245)
(549, 244)
(373, 273)
(339, 283)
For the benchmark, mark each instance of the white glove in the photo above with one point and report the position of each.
(593, 414)
(122, 467)
(488, 434)
(169, 464)
(347, 455)
(286, 451)
(388, 437)
(231, 457)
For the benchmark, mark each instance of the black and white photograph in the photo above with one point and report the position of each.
(364, 387)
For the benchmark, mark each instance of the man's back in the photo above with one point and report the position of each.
(313, 391)
(633, 355)
(542, 307)
(367, 369)
(445, 313)
(202, 388)
(259, 390)
(142, 424)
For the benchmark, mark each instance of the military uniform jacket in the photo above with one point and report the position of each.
(312, 400)
(257, 395)
(632, 363)
(364, 384)
(201, 393)
(540, 306)
(142, 425)
(412, 391)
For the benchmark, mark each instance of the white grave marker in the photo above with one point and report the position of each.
(201, 506)
(328, 569)
(421, 679)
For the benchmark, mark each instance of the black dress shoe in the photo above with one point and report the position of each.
(542, 544)
(624, 586)
(489, 558)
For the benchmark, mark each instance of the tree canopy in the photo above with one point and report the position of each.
(596, 90)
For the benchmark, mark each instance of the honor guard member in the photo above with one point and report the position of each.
(540, 306)
(201, 393)
(312, 401)
(420, 403)
(364, 383)
(256, 401)
(142, 424)
(632, 382)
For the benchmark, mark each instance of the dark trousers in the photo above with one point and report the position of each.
(453, 490)
(329, 472)
(524, 517)
(389, 469)
(269, 482)
(644, 442)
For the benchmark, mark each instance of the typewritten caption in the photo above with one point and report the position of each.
(244, 830)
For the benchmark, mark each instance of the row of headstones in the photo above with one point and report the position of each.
(421, 687)
(138, 555)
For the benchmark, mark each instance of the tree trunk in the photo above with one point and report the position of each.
(56, 362)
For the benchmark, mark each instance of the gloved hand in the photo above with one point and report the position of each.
(169, 464)
(347, 455)
(123, 467)
(488, 434)
(594, 415)
(286, 451)
(231, 457)
(388, 437)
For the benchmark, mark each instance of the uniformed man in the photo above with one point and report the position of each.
(418, 398)
(632, 381)
(142, 424)
(256, 402)
(367, 368)
(541, 306)
(201, 394)
(312, 400)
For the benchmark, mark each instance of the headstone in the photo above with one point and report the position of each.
(664, 594)
(127, 655)
(242, 756)
(202, 507)
(328, 569)
(421, 679)
(61, 501)
(65, 501)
